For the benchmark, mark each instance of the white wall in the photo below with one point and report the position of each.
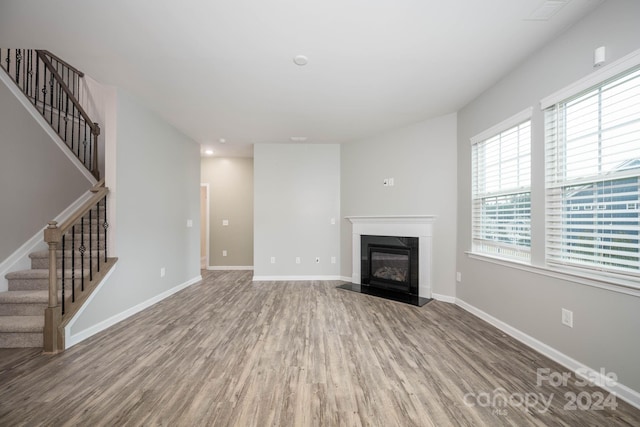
(606, 323)
(296, 194)
(157, 186)
(422, 160)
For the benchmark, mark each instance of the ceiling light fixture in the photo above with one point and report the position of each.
(208, 152)
(222, 140)
(300, 60)
(298, 138)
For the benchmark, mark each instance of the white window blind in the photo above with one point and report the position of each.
(501, 211)
(592, 178)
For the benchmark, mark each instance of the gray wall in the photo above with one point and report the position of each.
(37, 181)
(296, 194)
(230, 197)
(157, 191)
(606, 323)
(422, 160)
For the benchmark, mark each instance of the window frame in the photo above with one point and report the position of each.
(508, 252)
(557, 181)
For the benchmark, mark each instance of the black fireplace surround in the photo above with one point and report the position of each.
(389, 269)
(389, 263)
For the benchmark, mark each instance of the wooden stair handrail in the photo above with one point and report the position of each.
(54, 233)
(63, 62)
(95, 129)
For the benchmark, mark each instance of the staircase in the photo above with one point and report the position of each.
(22, 306)
(42, 300)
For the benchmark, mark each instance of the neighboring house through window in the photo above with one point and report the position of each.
(501, 171)
(592, 144)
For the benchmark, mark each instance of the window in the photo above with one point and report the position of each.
(592, 144)
(501, 170)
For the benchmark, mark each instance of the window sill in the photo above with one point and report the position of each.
(628, 287)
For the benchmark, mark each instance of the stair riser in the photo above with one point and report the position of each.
(20, 339)
(22, 309)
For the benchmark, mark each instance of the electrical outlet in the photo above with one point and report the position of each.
(297, 260)
(567, 317)
(225, 222)
(273, 260)
(391, 182)
(317, 260)
(162, 272)
(385, 182)
(333, 260)
(189, 223)
(224, 253)
(458, 277)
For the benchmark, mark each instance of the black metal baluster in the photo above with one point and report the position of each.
(51, 98)
(44, 90)
(73, 126)
(91, 246)
(98, 233)
(60, 91)
(90, 162)
(106, 226)
(27, 71)
(25, 64)
(35, 97)
(82, 249)
(84, 148)
(18, 62)
(73, 263)
(66, 119)
(63, 262)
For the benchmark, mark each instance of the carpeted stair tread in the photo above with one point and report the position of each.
(20, 324)
(68, 252)
(42, 274)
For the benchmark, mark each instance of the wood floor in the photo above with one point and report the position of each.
(229, 352)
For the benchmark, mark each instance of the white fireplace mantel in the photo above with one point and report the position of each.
(420, 226)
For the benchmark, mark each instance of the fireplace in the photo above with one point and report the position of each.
(379, 234)
(390, 263)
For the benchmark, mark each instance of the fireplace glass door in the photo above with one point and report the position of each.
(390, 267)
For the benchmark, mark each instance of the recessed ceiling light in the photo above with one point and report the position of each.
(298, 138)
(208, 152)
(301, 60)
(222, 140)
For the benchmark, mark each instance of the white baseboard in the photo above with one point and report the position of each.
(443, 298)
(71, 340)
(229, 267)
(620, 390)
(19, 260)
(346, 279)
(293, 278)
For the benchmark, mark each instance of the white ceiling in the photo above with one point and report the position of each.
(224, 69)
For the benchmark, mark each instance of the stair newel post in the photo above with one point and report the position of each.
(53, 314)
